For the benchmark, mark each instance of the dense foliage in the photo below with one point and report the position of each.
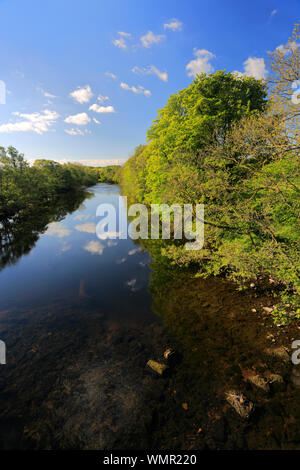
(109, 174)
(23, 186)
(232, 143)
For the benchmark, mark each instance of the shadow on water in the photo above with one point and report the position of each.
(75, 377)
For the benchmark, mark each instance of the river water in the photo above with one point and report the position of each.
(81, 317)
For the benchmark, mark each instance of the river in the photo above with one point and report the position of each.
(81, 317)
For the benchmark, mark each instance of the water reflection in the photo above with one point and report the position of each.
(78, 335)
(20, 234)
(82, 316)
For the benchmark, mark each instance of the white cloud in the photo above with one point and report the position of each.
(82, 94)
(82, 217)
(96, 121)
(140, 90)
(34, 122)
(57, 230)
(151, 70)
(201, 63)
(151, 38)
(65, 248)
(111, 75)
(255, 67)
(80, 119)
(273, 12)
(94, 247)
(89, 227)
(90, 161)
(124, 35)
(77, 131)
(121, 41)
(132, 285)
(111, 243)
(134, 251)
(174, 25)
(287, 48)
(238, 74)
(102, 109)
(102, 98)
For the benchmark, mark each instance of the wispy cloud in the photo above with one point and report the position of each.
(56, 229)
(111, 243)
(77, 131)
(102, 98)
(80, 119)
(150, 38)
(82, 94)
(82, 217)
(134, 251)
(132, 285)
(174, 25)
(65, 248)
(94, 247)
(89, 227)
(34, 122)
(46, 94)
(121, 40)
(151, 70)
(273, 12)
(201, 63)
(102, 109)
(111, 75)
(96, 121)
(140, 90)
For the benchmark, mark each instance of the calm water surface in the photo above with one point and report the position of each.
(70, 262)
(81, 317)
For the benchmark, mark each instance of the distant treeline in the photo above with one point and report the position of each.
(109, 174)
(232, 142)
(24, 187)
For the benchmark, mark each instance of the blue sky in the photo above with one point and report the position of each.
(70, 65)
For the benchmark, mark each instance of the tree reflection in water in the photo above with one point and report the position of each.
(19, 234)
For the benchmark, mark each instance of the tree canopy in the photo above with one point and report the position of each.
(232, 143)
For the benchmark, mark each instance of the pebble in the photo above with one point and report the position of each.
(268, 309)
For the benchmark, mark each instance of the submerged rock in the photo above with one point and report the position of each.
(240, 403)
(279, 353)
(259, 382)
(275, 381)
(160, 369)
(268, 309)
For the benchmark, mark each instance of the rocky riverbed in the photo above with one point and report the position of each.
(76, 379)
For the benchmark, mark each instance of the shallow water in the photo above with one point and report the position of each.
(82, 316)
